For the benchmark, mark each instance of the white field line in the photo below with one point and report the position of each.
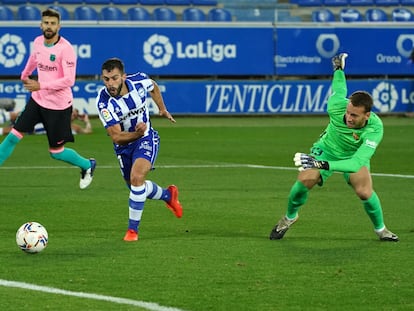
(280, 168)
(45, 289)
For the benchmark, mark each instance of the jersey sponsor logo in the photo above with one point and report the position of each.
(370, 143)
(106, 115)
(132, 113)
(43, 67)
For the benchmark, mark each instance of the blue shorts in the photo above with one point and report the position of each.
(146, 147)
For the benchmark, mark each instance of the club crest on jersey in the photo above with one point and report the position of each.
(355, 136)
(52, 57)
(141, 92)
(106, 115)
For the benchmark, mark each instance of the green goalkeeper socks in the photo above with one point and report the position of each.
(297, 197)
(373, 208)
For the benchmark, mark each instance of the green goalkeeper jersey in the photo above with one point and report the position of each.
(347, 149)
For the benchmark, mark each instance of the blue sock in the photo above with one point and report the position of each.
(155, 192)
(7, 146)
(137, 199)
(72, 157)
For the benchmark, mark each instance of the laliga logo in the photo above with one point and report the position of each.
(327, 45)
(385, 97)
(158, 51)
(12, 50)
(402, 47)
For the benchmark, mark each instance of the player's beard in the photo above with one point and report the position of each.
(49, 34)
(115, 91)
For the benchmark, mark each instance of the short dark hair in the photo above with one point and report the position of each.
(112, 63)
(362, 99)
(52, 13)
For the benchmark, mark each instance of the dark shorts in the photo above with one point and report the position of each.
(56, 123)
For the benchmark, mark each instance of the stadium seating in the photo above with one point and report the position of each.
(111, 13)
(350, 15)
(14, 2)
(85, 13)
(178, 2)
(6, 14)
(193, 14)
(376, 15)
(219, 15)
(323, 16)
(204, 2)
(309, 2)
(407, 2)
(64, 13)
(255, 15)
(61, 2)
(138, 14)
(29, 13)
(93, 2)
(361, 2)
(402, 15)
(164, 14)
(336, 2)
(125, 2)
(387, 2)
(152, 2)
(42, 2)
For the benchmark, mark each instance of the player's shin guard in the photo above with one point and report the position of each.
(137, 198)
(297, 197)
(8, 145)
(373, 208)
(70, 156)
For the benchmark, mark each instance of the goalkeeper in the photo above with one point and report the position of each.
(347, 145)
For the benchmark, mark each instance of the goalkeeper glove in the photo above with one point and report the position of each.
(338, 61)
(305, 161)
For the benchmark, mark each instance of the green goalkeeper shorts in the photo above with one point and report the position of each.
(320, 152)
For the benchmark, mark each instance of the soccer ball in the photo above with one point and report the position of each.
(32, 237)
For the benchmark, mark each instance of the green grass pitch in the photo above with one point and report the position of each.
(234, 175)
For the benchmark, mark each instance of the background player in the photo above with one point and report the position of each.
(346, 145)
(123, 109)
(51, 97)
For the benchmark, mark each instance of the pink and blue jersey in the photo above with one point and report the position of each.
(56, 70)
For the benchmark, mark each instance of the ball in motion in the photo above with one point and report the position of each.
(32, 237)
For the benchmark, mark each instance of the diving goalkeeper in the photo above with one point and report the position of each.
(346, 145)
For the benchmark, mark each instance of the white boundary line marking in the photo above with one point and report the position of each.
(146, 305)
(230, 165)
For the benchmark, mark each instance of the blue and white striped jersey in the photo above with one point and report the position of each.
(127, 110)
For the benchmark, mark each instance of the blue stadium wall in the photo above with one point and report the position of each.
(231, 68)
